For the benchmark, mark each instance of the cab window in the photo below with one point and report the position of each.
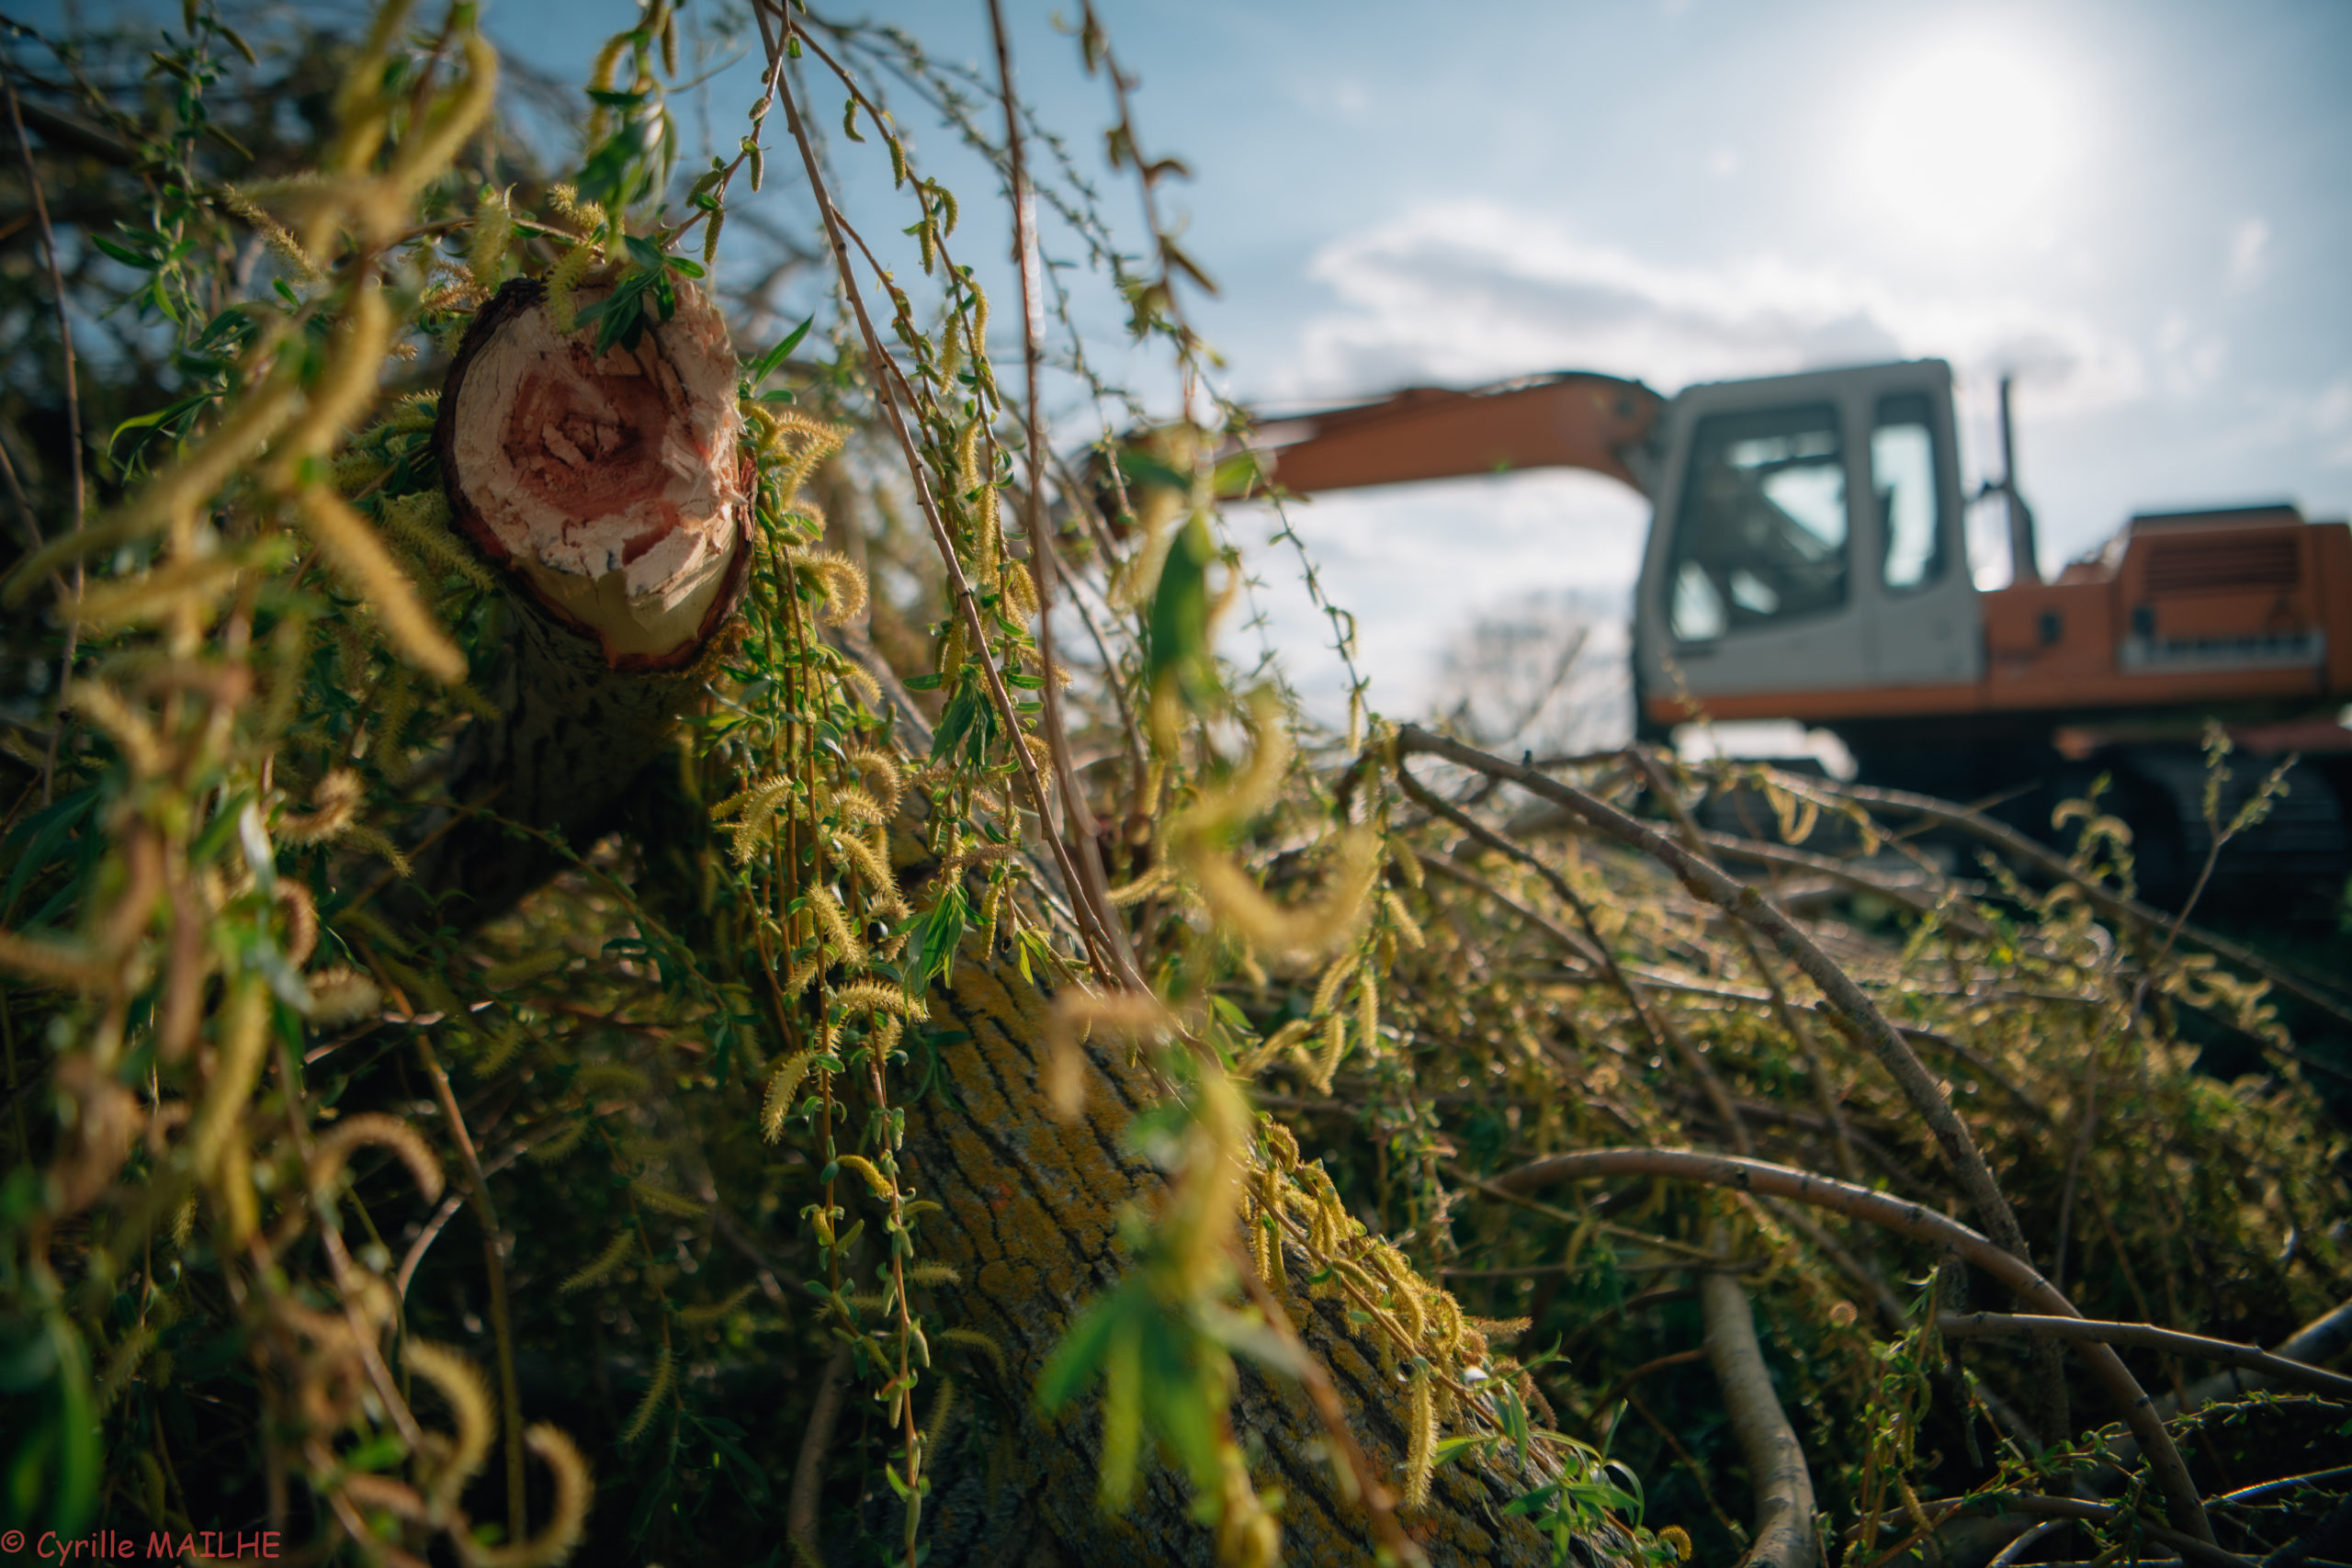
(1761, 534)
(1910, 505)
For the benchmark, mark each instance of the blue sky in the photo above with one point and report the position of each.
(2141, 207)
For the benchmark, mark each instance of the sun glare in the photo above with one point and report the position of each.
(1964, 141)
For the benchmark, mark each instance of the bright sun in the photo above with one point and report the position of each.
(1965, 139)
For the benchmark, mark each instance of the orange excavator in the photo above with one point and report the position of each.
(1807, 562)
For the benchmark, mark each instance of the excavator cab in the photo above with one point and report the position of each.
(1807, 563)
(1809, 540)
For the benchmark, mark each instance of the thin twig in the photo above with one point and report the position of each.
(1660, 1029)
(494, 1264)
(1094, 891)
(2147, 1336)
(72, 429)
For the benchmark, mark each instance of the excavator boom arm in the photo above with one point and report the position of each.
(1573, 419)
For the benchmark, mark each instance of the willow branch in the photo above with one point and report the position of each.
(2146, 1336)
(1706, 882)
(2011, 842)
(1077, 820)
(1776, 1467)
(1917, 1223)
(1091, 923)
(808, 1467)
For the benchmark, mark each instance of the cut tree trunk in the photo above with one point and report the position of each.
(605, 491)
(609, 493)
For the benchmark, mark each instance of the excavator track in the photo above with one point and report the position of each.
(2290, 868)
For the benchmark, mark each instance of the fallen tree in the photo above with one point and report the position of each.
(592, 789)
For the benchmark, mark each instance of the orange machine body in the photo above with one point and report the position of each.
(2246, 610)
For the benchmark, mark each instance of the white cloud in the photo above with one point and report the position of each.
(1462, 292)
(2249, 253)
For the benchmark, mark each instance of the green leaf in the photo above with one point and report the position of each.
(125, 254)
(1075, 1360)
(161, 417)
(1143, 466)
(923, 682)
(767, 363)
(1178, 629)
(962, 709)
(938, 934)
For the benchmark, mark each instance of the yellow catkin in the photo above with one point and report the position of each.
(782, 1086)
(1142, 887)
(874, 996)
(461, 1384)
(1327, 990)
(642, 1417)
(562, 278)
(493, 229)
(942, 1410)
(243, 1031)
(610, 1080)
(853, 802)
(713, 1311)
(1420, 1460)
(560, 1144)
(667, 1201)
(421, 523)
(1020, 590)
(615, 1253)
(334, 1148)
(973, 1339)
(929, 1274)
(835, 922)
(1368, 1012)
(333, 801)
(883, 1187)
(360, 559)
(341, 995)
(872, 868)
(882, 776)
(1335, 1045)
(1408, 929)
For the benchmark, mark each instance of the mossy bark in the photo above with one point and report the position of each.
(1031, 1221)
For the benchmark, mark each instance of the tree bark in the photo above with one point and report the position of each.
(1031, 1223)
